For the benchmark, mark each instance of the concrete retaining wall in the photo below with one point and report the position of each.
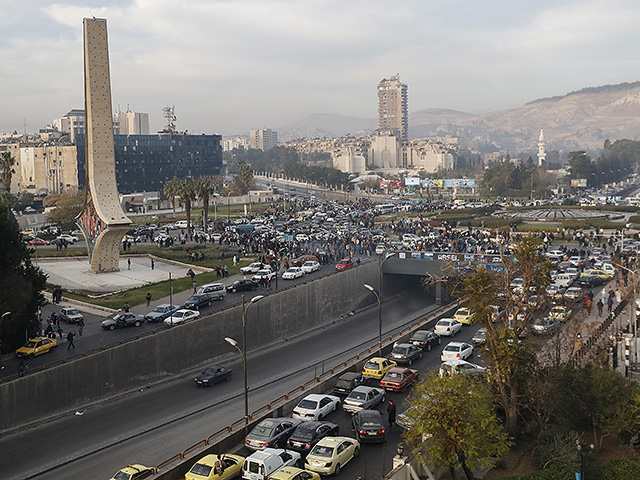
(161, 356)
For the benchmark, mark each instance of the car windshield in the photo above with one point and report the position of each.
(291, 270)
(30, 344)
(372, 366)
(308, 404)
(122, 476)
(452, 348)
(201, 469)
(357, 395)
(161, 309)
(72, 311)
(401, 350)
(262, 431)
(179, 314)
(304, 432)
(394, 375)
(420, 336)
(322, 451)
(308, 264)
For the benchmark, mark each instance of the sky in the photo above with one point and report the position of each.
(228, 66)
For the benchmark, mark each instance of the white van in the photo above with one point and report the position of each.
(217, 290)
(261, 464)
(182, 224)
(564, 279)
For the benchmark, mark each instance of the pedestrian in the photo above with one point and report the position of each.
(192, 274)
(589, 304)
(600, 305)
(391, 412)
(195, 288)
(128, 264)
(609, 304)
(70, 336)
(80, 327)
(226, 271)
(22, 368)
(148, 297)
(153, 264)
(126, 307)
(60, 332)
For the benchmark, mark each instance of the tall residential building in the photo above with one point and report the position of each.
(72, 123)
(264, 139)
(393, 107)
(131, 123)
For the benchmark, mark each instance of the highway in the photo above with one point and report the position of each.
(156, 423)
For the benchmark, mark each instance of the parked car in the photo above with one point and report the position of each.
(311, 266)
(369, 426)
(216, 290)
(292, 272)
(455, 367)
(67, 238)
(122, 319)
(212, 375)
(448, 327)
(197, 301)
(344, 264)
(425, 339)
(271, 433)
(376, 367)
(405, 353)
(71, 315)
(181, 316)
(546, 325)
(259, 465)
(362, 398)
(252, 268)
(243, 285)
(307, 434)
(398, 379)
(331, 454)
(161, 312)
(205, 468)
(36, 346)
(133, 472)
(315, 407)
(456, 351)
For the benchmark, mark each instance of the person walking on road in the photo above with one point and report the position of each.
(148, 297)
(391, 412)
(70, 344)
(80, 327)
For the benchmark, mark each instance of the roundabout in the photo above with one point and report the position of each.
(557, 215)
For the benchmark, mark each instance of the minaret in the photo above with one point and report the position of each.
(542, 152)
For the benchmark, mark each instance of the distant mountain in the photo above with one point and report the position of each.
(434, 121)
(326, 125)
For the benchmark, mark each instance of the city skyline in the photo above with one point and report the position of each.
(229, 67)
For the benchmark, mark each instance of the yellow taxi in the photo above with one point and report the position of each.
(464, 315)
(561, 313)
(293, 473)
(377, 367)
(205, 468)
(597, 273)
(331, 454)
(133, 472)
(36, 346)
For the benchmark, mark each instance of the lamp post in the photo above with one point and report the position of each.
(228, 207)
(373, 290)
(243, 352)
(5, 314)
(583, 451)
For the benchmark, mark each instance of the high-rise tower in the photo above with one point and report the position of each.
(542, 149)
(393, 116)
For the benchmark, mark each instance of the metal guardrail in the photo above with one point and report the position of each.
(281, 400)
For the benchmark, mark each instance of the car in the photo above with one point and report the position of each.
(348, 381)
(376, 367)
(404, 420)
(447, 327)
(67, 238)
(344, 264)
(197, 301)
(330, 454)
(363, 398)
(271, 433)
(310, 266)
(598, 273)
(554, 289)
(536, 301)
(38, 241)
(455, 367)
(398, 379)
(546, 325)
(590, 281)
(243, 285)
(497, 313)
(133, 472)
(315, 407)
(71, 315)
(573, 293)
(292, 272)
(122, 319)
(212, 375)
(405, 353)
(260, 465)
(464, 316)
(560, 312)
(369, 426)
(205, 468)
(264, 274)
(161, 312)
(480, 337)
(217, 290)
(456, 351)
(181, 316)
(252, 268)
(425, 339)
(307, 434)
(36, 346)
(294, 473)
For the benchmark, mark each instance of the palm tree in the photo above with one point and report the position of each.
(6, 164)
(170, 190)
(204, 189)
(187, 194)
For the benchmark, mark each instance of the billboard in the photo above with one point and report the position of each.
(412, 181)
(579, 182)
(450, 183)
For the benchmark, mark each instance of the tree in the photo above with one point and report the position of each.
(170, 190)
(21, 284)
(6, 164)
(204, 189)
(454, 423)
(68, 206)
(187, 193)
(243, 181)
(581, 166)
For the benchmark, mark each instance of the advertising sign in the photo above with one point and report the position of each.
(412, 181)
(450, 183)
(579, 182)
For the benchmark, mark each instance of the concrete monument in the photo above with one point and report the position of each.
(102, 220)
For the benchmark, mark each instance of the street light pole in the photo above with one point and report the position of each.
(5, 314)
(373, 290)
(243, 352)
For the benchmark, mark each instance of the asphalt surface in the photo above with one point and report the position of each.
(155, 424)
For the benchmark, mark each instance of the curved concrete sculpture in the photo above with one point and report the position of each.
(102, 220)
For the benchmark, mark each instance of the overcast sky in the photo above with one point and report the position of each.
(229, 66)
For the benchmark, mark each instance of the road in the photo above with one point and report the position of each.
(156, 423)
